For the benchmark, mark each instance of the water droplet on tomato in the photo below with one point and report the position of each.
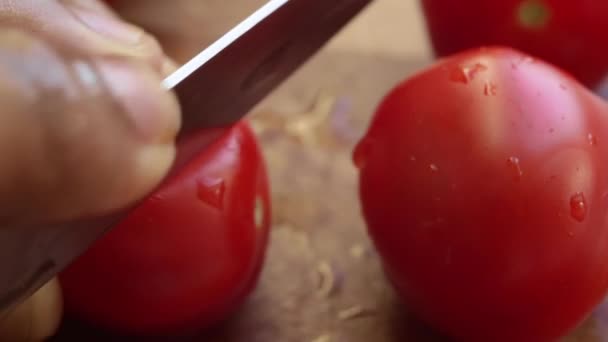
(413, 158)
(551, 130)
(361, 153)
(578, 207)
(478, 67)
(592, 139)
(433, 168)
(489, 88)
(563, 86)
(211, 192)
(515, 167)
(464, 74)
(458, 75)
(157, 197)
(528, 59)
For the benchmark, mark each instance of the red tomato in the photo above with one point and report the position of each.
(484, 185)
(189, 255)
(569, 34)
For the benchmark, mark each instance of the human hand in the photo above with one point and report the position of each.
(85, 128)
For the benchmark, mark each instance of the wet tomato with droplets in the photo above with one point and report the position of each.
(569, 34)
(490, 208)
(189, 255)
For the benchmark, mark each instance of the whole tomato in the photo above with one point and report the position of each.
(189, 255)
(484, 186)
(569, 34)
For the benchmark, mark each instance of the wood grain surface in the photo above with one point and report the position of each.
(322, 280)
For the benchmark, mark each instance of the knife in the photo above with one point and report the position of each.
(215, 89)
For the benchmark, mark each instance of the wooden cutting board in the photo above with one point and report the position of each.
(322, 280)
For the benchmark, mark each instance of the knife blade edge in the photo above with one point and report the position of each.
(220, 44)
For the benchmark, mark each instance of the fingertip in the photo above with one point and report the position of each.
(48, 310)
(168, 67)
(152, 164)
(152, 110)
(37, 318)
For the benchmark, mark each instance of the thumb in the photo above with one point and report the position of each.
(79, 136)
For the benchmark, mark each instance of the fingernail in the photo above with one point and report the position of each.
(111, 27)
(152, 110)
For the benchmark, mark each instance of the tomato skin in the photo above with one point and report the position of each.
(484, 185)
(571, 35)
(189, 255)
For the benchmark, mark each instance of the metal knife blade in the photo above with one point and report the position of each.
(216, 88)
(225, 81)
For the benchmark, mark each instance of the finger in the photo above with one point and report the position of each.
(86, 25)
(35, 319)
(185, 27)
(79, 136)
(169, 66)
